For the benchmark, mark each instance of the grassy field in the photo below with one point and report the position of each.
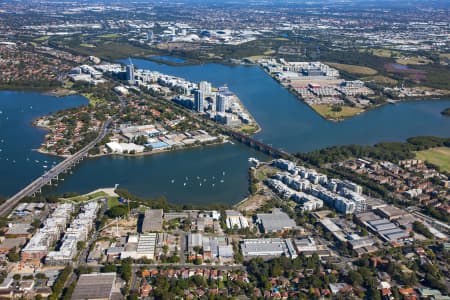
(83, 198)
(327, 112)
(413, 61)
(248, 129)
(446, 55)
(262, 173)
(381, 79)
(436, 156)
(42, 38)
(87, 45)
(256, 57)
(382, 52)
(354, 69)
(109, 36)
(93, 100)
(113, 201)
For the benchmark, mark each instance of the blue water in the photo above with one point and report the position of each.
(222, 172)
(286, 123)
(18, 138)
(290, 124)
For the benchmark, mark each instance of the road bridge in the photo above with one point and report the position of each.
(52, 174)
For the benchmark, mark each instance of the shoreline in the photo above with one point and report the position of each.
(190, 62)
(408, 99)
(147, 153)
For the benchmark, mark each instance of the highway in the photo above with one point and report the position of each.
(51, 174)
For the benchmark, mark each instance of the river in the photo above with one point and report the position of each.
(286, 123)
(19, 163)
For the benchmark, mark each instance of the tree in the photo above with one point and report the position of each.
(81, 245)
(13, 255)
(117, 211)
(355, 278)
(126, 269)
(419, 227)
(109, 268)
(336, 108)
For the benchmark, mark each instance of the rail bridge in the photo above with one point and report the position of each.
(52, 174)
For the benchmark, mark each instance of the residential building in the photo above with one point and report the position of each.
(221, 101)
(199, 97)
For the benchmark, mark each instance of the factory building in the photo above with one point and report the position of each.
(275, 221)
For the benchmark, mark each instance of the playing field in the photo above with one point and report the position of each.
(437, 156)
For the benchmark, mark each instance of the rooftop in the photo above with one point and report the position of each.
(94, 286)
(276, 221)
(152, 220)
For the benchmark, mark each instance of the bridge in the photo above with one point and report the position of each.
(242, 138)
(258, 145)
(52, 174)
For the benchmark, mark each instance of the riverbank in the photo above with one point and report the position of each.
(146, 153)
(248, 129)
(61, 92)
(286, 124)
(349, 107)
(327, 111)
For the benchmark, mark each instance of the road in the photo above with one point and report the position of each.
(137, 267)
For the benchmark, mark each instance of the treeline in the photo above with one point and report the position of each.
(60, 282)
(436, 213)
(30, 85)
(391, 151)
(162, 203)
(420, 228)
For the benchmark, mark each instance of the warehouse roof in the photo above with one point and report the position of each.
(276, 221)
(153, 220)
(94, 286)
